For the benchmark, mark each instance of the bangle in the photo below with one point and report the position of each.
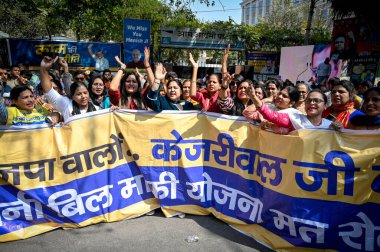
(223, 87)
(157, 81)
(194, 81)
(147, 67)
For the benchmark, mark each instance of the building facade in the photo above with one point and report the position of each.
(252, 11)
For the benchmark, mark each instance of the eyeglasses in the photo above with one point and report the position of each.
(79, 78)
(313, 100)
(233, 83)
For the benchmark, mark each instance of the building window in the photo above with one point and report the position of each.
(268, 4)
(253, 11)
(260, 9)
(325, 14)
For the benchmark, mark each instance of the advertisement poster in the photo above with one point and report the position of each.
(31, 52)
(263, 62)
(355, 49)
(136, 37)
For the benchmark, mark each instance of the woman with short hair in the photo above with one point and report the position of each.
(23, 111)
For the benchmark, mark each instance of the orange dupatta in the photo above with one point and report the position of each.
(344, 112)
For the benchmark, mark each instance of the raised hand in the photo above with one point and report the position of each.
(47, 62)
(192, 61)
(122, 65)
(252, 94)
(63, 62)
(226, 53)
(139, 74)
(226, 79)
(90, 46)
(146, 56)
(160, 72)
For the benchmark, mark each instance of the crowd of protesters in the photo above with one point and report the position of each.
(279, 106)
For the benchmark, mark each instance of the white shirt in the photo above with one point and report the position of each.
(63, 104)
(300, 121)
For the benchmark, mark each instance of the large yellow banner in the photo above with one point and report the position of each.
(313, 190)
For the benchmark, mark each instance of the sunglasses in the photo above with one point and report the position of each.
(313, 100)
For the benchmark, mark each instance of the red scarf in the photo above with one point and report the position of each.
(343, 110)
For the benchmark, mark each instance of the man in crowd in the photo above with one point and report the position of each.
(323, 71)
(14, 74)
(136, 60)
(101, 63)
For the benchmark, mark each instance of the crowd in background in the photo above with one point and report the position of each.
(280, 106)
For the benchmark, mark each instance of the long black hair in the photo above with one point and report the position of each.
(262, 87)
(135, 96)
(239, 106)
(94, 97)
(76, 109)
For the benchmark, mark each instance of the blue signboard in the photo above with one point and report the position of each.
(136, 37)
(31, 52)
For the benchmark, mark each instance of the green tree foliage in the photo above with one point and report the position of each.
(286, 24)
(100, 20)
(21, 21)
(186, 3)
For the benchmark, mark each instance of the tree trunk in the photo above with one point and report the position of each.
(309, 21)
(77, 34)
(48, 31)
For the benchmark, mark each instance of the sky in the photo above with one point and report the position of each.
(231, 8)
